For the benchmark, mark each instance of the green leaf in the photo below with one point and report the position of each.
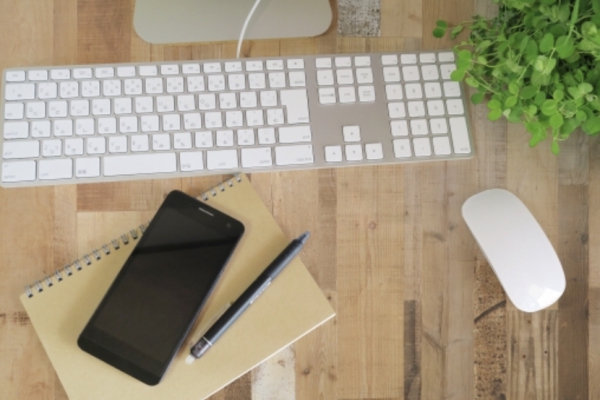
(549, 107)
(458, 74)
(477, 98)
(472, 82)
(528, 92)
(494, 115)
(465, 55)
(580, 116)
(439, 32)
(575, 92)
(547, 43)
(494, 104)
(585, 87)
(556, 121)
(511, 101)
(565, 46)
(540, 97)
(558, 95)
(555, 148)
(441, 24)
(591, 126)
(513, 88)
(456, 31)
(547, 2)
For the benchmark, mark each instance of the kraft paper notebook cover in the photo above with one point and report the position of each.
(291, 307)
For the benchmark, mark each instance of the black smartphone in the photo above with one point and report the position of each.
(153, 302)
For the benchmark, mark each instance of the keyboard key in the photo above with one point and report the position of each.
(254, 66)
(351, 133)
(418, 127)
(182, 140)
(399, 127)
(323, 62)
(295, 63)
(56, 169)
(327, 96)
(139, 164)
(221, 159)
(460, 135)
(19, 91)
(47, 90)
(191, 161)
(245, 137)
(362, 61)
(416, 109)
(169, 69)
(233, 66)
(126, 72)
(413, 91)
(366, 93)
(18, 171)
(446, 57)
(354, 152)
(441, 146)
(273, 65)
(433, 90)
(266, 136)
(427, 58)
(391, 74)
(60, 74)
(374, 151)
(190, 68)
(15, 76)
(325, 77)
(16, 130)
(452, 89)
(455, 107)
(14, 110)
(82, 73)
(430, 72)
(435, 108)
(438, 126)
(344, 76)
(74, 147)
(104, 72)
(393, 92)
(402, 148)
(408, 59)
(411, 73)
(422, 147)
(446, 70)
(88, 167)
(148, 70)
(294, 155)
(389, 59)
(347, 94)
(333, 153)
(295, 134)
(38, 75)
(343, 62)
(21, 149)
(296, 103)
(396, 110)
(257, 157)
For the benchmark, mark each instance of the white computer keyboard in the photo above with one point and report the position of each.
(97, 123)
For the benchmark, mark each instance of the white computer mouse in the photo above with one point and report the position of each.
(516, 247)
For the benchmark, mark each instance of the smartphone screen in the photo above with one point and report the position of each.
(153, 302)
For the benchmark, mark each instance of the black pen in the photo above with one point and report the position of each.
(247, 298)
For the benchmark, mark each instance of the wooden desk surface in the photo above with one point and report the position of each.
(420, 315)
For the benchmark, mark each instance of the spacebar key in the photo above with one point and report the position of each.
(138, 164)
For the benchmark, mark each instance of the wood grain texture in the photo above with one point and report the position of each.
(420, 314)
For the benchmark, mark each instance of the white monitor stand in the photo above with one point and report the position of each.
(185, 21)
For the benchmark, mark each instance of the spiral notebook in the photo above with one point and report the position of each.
(60, 305)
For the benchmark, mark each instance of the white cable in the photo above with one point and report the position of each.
(248, 18)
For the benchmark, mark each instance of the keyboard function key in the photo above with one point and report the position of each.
(126, 72)
(233, 66)
(427, 58)
(190, 68)
(323, 62)
(347, 94)
(411, 73)
(15, 76)
(460, 135)
(362, 61)
(344, 76)
(104, 72)
(21, 149)
(295, 134)
(211, 67)
(14, 111)
(325, 77)
(389, 59)
(327, 95)
(253, 66)
(408, 58)
(60, 74)
(169, 69)
(446, 57)
(148, 70)
(391, 74)
(366, 93)
(274, 65)
(341, 62)
(295, 63)
(82, 73)
(38, 75)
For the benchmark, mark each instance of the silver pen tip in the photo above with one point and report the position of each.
(304, 237)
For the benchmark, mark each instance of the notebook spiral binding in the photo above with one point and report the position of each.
(96, 254)
(220, 188)
(86, 260)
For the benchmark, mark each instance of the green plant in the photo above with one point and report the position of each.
(537, 62)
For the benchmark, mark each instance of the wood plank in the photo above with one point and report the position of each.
(316, 360)
(370, 343)
(594, 271)
(573, 252)
(402, 18)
